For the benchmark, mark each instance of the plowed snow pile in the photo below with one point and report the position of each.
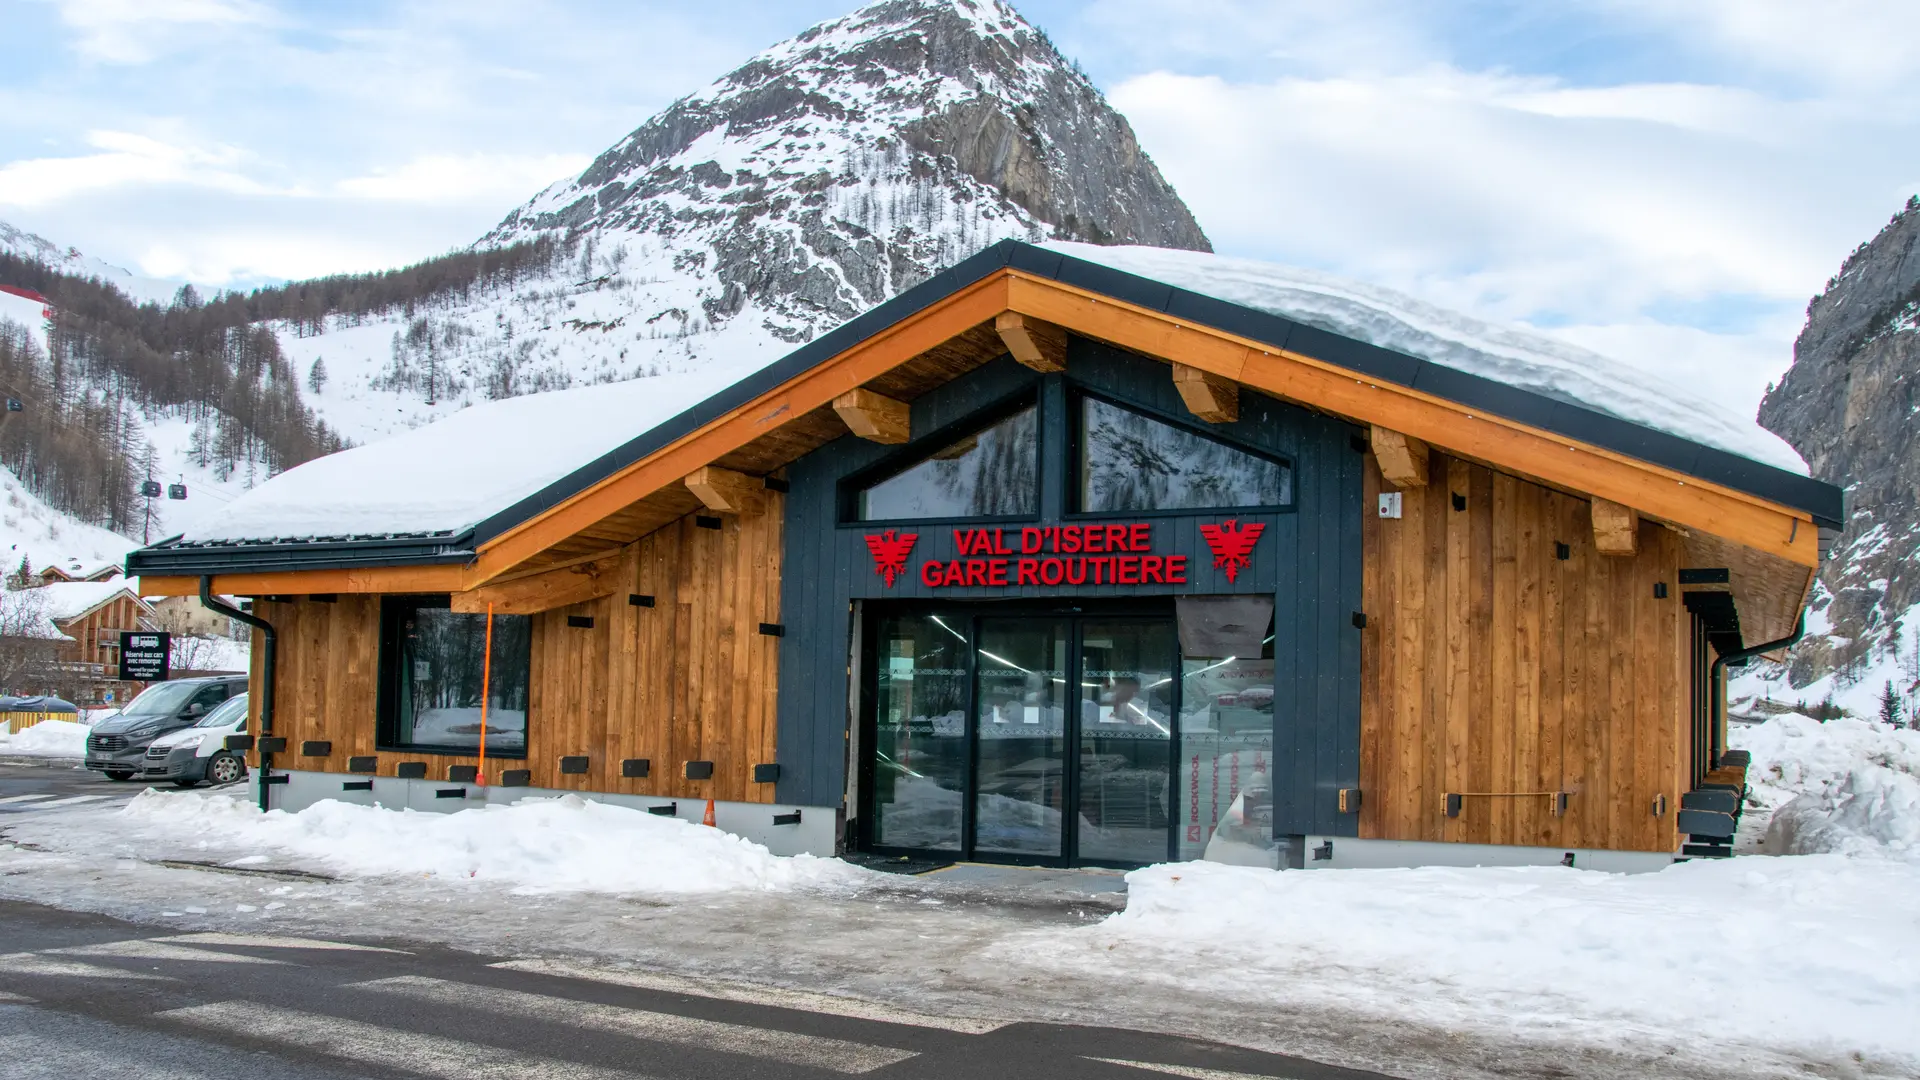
(48, 738)
(559, 845)
(1847, 786)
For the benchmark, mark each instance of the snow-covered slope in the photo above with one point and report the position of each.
(17, 241)
(819, 178)
(44, 536)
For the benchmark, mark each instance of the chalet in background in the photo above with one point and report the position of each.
(1042, 561)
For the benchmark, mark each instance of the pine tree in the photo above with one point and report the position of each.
(1889, 705)
(317, 375)
(22, 575)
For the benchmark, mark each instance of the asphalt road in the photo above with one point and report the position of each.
(27, 789)
(85, 995)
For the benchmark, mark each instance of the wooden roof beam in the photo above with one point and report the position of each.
(1616, 528)
(727, 492)
(1208, 396)
(535, 593)
(1041, 346)
(1403, 459)
(875, 417)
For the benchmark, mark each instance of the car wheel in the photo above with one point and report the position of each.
(224, 768)
(119, 774)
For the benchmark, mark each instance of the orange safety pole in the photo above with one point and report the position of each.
(486, 690)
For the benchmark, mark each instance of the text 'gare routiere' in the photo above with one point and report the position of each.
(1105, 554)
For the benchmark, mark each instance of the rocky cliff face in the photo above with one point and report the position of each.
(1851, 405)
(841, 167)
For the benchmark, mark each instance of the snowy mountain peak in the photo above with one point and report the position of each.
(849, 163)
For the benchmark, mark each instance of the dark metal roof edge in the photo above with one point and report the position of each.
(283, 555)
(1823, 501)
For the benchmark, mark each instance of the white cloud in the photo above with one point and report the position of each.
(1852, 45)
(491, 179)
(137, 31)
(125, 159)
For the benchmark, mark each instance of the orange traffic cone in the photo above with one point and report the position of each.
(707, 819)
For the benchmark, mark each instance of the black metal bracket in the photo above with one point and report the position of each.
(1459, 501)
(271, 780)
(1659, 590)
(1562, 551)
(667, 810)
(574, 765)
(1359, 620)
(411, 770)
(636, 768)
(271, 744)
(356, 785)
(787, 819)
(463, 774)
(766, 774)
(238, 742)
(639, 600)
(363, 764)
(1323, 852)
(773, 629)
(699, 770)
(516, 778)
(584, 622)
(1453, 805)
(450, 793)
(316, 748)
(1349, 800)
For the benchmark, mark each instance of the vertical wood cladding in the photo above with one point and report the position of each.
(1492, 665)
(689, 679)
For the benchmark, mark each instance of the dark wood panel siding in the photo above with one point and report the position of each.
(1308, 559)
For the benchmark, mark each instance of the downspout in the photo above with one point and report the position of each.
(1717, 680)
(214, 603)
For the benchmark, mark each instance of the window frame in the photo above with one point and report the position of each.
(1075, 492)
(921, 449)
(392, 610)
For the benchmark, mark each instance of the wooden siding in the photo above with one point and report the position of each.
(688, 679)
(1492, 665)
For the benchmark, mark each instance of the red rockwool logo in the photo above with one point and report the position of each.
(890, 550)
(1232, 544)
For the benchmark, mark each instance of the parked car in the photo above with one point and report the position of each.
(117, 745)
(198, 753)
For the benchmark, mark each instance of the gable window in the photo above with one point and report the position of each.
(431, 673)
(1131, 462)
(992, 472)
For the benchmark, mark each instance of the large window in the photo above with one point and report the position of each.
(432, 668)
(992, 472)
(1129, 462)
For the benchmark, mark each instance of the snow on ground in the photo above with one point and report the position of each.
(561, 845)
(1789, 954)
(1504, 354)
(455, 472)
(1846, 786)
(45, 536)
(48, 738)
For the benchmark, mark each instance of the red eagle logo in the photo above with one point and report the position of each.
(1232, 544)
(890, 550)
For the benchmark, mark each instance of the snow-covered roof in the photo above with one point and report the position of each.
(68, 600)
(445, 477)
(1506, 354)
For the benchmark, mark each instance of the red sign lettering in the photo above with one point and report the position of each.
(1049, 555)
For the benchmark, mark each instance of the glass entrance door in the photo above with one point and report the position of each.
(1047, 738)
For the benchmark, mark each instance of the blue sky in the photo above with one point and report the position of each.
(1666, 182)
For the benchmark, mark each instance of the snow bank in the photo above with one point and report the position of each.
(1789, 953)
(455, 472)
(1847, 786)
(559, 845)
(1504, 354)
(48, 738)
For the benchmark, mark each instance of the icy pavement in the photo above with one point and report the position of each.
(1722, 969)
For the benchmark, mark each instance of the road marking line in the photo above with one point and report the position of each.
(266, 941)
(756, 995)
(23, 963)
(1194, 1072)
(815, 1051)
(26, 798)
(70, 800)
(388, 1048)
(155, 950)
(14, 999)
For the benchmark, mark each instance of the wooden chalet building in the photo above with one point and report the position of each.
(1042, 561)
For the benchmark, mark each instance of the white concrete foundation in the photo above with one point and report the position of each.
(815, 833)
(1349, 853)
